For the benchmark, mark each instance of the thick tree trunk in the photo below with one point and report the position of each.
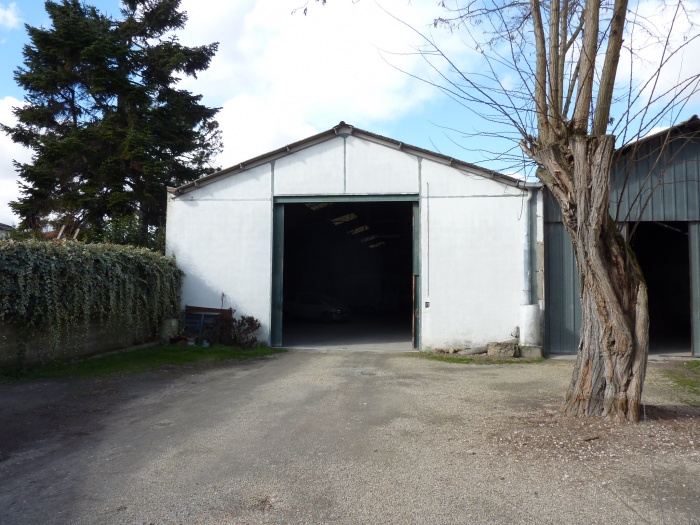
(612, 355)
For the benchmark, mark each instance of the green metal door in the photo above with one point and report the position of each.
(415, 333)
(277, 274)
(694, 240)
(277, 295)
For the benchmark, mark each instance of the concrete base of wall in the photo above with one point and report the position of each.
(531, 352)
(530, 325)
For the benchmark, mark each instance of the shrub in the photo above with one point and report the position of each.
(239, 332)
(59, 288)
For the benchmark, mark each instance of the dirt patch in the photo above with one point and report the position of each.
(666, 429)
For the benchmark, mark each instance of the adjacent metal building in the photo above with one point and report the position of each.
(380, 224)
(655, 198)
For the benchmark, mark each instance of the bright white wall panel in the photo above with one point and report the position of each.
(375, 169)
(447, 181)
(224, 246)
(311, 171)
(255, 183)
(472, 270)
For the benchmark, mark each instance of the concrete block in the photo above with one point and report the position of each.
(531, 352)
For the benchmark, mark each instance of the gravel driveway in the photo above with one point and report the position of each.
(347, 438)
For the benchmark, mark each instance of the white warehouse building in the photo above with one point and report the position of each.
(444, 253)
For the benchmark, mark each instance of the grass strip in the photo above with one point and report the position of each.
(481, 360)
(686, 377)
(140, 360)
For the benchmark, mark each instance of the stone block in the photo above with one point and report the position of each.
(503, 349)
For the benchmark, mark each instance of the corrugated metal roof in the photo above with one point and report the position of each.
(346, 129)
(656, 178)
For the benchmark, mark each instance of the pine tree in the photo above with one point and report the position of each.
(102, 114)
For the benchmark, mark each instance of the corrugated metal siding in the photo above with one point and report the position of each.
(552, 212)
(660, 186)
(562, 304)
(656, 185)
(674, 177)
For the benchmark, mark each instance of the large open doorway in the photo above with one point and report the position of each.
(347, 274)
(662, 249)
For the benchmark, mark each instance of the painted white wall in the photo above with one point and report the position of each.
(440, 180)
(376, 169)
(251, 184)
(220, 235)
(346, 165)
(317, 170)
(471, 235)
(471, 259)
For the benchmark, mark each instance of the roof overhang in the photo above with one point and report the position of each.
(687, 128)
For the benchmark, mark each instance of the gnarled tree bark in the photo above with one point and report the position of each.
(612, 356)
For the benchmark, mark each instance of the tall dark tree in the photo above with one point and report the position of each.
(102, 114)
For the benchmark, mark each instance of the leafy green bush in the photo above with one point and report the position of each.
(62, 287)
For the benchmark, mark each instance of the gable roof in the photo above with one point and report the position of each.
(687, 129)
(343, 129)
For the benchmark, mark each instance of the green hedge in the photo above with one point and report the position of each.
(62, 287)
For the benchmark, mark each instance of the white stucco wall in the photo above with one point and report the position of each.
(471, 238)
(376, 169)
(220, 235)
(471, 258)
(346, 166)
(313, 171)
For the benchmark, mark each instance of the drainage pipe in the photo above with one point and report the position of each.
(530, 314)
(527, 260)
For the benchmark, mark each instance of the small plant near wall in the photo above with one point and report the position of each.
(243, 331)
(60, 289)
(232, 331)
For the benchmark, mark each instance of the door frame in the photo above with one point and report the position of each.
(277, 291)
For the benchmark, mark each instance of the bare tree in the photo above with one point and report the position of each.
(551, 80)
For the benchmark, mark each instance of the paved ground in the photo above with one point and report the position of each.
(363, 334)
(346, 438)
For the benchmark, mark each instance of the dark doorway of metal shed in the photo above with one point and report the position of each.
(348, 275)
(662, 249)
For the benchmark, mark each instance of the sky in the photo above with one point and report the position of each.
(280, 76)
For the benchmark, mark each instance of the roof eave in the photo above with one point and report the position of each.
(343, 129)
(691, 125)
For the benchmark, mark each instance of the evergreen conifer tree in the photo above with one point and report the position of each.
(108, 127)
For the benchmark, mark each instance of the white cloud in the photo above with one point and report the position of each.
(280, 77)
(665, 45)
(9, 16)
(9, 151)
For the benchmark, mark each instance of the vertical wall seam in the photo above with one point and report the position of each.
(427, 224)
(272, 249)
(533, 248)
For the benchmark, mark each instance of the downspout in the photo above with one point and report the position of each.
(527, 259)
(530, 313)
